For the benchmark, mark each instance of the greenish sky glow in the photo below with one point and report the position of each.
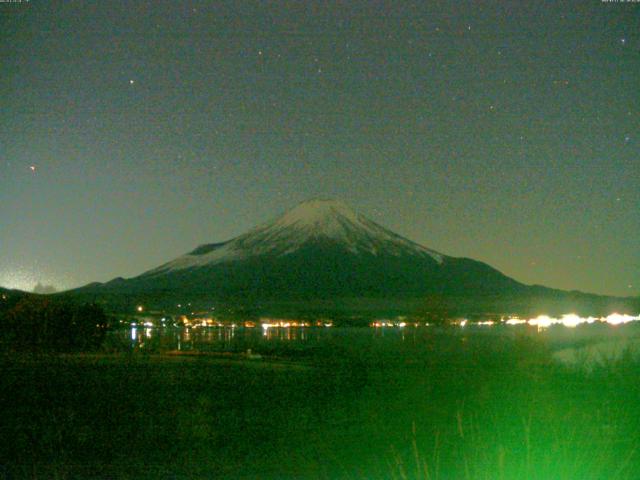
(504, 131)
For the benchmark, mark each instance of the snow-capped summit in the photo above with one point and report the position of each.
(312, 222)
(316, 213)
(330, 219)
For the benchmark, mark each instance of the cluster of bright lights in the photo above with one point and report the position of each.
(572, 320)
(291, 324)
(207, 322)
(283, 324)
(395, 323)
(268, 323)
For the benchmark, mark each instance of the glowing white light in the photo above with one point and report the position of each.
(542, 321)
(572, 320)
(515, 321)
(617, 319)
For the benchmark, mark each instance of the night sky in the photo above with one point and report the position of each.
(508, 132)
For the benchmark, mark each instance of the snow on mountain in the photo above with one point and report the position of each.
(312, 221)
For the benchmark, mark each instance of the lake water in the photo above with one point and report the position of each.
(584, 344)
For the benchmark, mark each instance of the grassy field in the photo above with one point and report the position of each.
(446, 407)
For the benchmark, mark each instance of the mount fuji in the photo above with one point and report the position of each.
(321, 250)
(316, 223)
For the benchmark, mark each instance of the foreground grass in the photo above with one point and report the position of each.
(441, 407)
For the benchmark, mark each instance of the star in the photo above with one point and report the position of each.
(131, 82)
(623, 41)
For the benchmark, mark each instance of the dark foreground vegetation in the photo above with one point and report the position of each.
(448, 406)
(40, 324)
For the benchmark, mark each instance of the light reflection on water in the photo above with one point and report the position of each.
(213, 339)
(224, 338)
(269, 340)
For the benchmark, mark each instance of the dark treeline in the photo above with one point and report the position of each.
(37, 323)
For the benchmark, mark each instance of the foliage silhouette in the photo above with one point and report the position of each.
(42, 324)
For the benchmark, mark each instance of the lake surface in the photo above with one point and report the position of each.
(585, 343)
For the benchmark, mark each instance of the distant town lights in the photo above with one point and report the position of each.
(571, 320)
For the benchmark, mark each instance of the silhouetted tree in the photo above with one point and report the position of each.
(42, 324)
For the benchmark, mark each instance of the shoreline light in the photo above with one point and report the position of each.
(571, 320)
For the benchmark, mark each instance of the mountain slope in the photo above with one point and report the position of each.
(314, 222)
(319, 249)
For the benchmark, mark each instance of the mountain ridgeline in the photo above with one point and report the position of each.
(320, 251)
